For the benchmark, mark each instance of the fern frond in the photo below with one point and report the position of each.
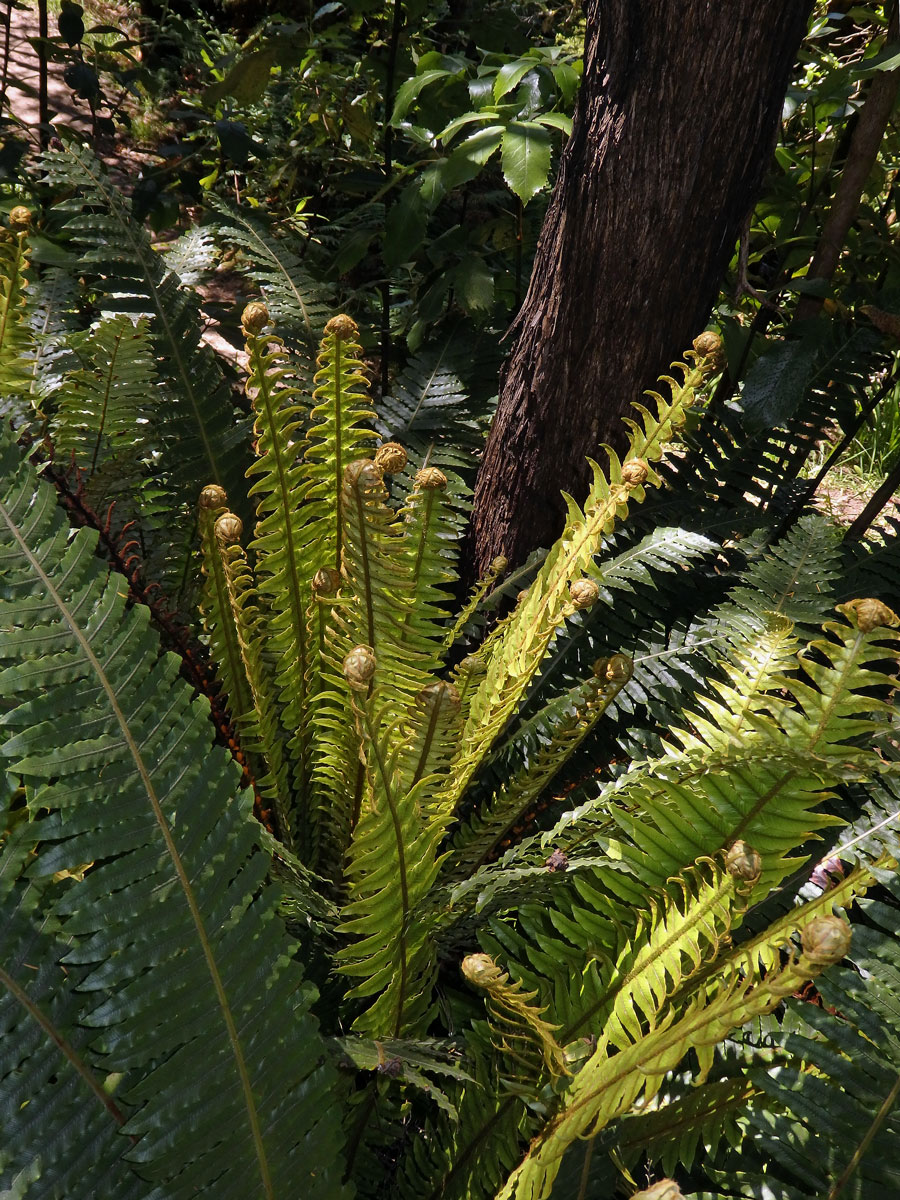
(149, 921)
(216, 609)
(191, 256)
(471, 1156)
(769, 791)
(552, 737)
(378, 574)
(264, 729)
(392, 865)
(608, 1086)
(281, 546)
(199, 439)
(515, 650)
(429, 412)
(52, 316)
(824, 1122)
(297, 303)
(429, 734)
(430, 547)
(519, 1033)
(64, 1114)
(101, 415)
(338, 434)
(16, 342)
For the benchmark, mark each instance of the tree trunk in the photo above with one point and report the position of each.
(674, 127)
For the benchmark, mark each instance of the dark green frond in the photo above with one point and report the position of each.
(63, 1114)
(200, 440)
(171, 923)
(298, 305)
(100, 412)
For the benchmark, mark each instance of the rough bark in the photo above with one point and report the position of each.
(674, 127)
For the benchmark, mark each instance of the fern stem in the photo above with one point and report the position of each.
(63, 1045)
(880, 1117)
(108, 382)
(400, 844)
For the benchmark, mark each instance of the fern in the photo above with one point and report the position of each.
(99, 408)
(823, 1118)
(199, 439)
(150, 925)
(295, 301)
(16, 345)
(691, 716)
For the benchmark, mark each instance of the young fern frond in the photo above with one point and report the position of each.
(262, 727)
(521, 1037)
(378, 574)
(430, 734)
(338, 435)
(391, 869)
(281, 547)
(430, 542)
(217, 612)
(608, 1086)
(514, 652)
(481, 589)
(16, 342)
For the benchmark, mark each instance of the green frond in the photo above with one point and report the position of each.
(552, 737)
(468, 1158)
(608, 1086)
(284, 569)
(368, 611)
(420, 1063)
(338, 434)
(100, 411)
(516, 649)
(824, 1121)
(674, 1129)
(378, 570)
(429, 734)
(297, 303)
(794, 577)
(428, 412)
(521, 1037)
(392, 865)
(16, 341)
(199, 438)
(264, 731)
(480, 591)
(169, 930)
(429, 550)
(217, 612)
(769, 790)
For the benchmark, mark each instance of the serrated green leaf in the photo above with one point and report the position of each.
(526, 158)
